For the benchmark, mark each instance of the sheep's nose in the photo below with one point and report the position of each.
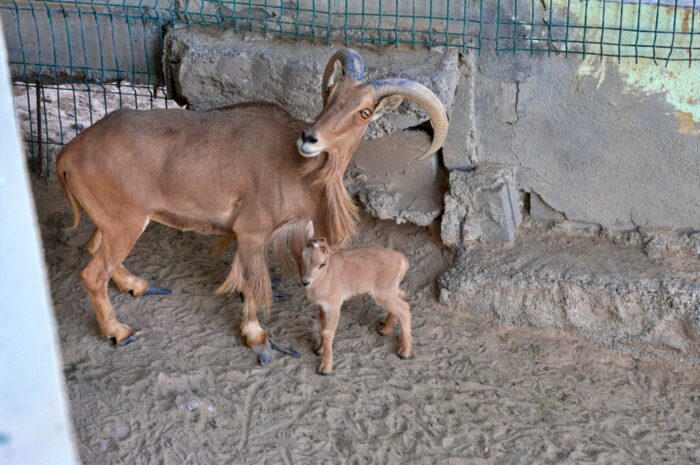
(308, 137)
(305, 283)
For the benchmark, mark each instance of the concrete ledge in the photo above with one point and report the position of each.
(617, 296)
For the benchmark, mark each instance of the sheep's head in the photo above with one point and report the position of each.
(350, 104)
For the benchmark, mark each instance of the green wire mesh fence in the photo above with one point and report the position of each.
(74, 61)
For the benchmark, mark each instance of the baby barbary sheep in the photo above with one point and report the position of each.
(331, 278)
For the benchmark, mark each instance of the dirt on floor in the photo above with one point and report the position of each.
(476, 391)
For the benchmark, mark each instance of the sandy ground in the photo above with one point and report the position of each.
(476, 392)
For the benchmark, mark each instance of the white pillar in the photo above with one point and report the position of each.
(34, 423)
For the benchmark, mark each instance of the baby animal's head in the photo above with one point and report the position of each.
(314, 257)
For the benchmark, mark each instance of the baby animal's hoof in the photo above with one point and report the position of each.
(324, 370)
(404, 354)
(385, 330)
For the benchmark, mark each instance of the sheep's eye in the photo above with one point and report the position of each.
(322, 265)
(366, 113)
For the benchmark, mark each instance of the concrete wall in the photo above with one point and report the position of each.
(592, 144)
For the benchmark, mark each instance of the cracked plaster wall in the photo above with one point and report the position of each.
(595, 150)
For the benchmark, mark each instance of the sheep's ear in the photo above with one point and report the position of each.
(309, 231)
(385, 105)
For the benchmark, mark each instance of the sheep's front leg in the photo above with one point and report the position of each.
(329, 322)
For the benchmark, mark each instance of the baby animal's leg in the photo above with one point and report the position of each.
(331, 315)
(319, 346)
(387, 327)
(400, 309)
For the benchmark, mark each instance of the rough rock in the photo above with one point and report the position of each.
(617, 296)
(541, 211)
(659, 244)
(460, 146)
(207, 67)
(391, 184)
(481, 205)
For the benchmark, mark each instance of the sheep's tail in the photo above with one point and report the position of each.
(62, 173)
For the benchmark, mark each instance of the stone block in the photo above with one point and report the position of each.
(460, 145)
(207, 68)
(481, 205)
(391, 184)
(541, 211)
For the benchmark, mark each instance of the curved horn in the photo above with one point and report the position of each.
(423, 97)
(351, 65)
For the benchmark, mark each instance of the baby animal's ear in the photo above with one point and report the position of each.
(309, 231)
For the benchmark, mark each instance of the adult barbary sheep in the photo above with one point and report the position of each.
(248, 170)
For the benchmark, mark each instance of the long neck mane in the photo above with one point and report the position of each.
(337, 213)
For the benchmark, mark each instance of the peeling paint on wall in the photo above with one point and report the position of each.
(613, 26)
(679, 83)
(636, 24)
(688, 124)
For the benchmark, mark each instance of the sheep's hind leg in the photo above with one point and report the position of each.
(125, 280)
(112, 250)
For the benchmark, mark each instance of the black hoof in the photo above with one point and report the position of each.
(264, 352)
(133, 338)
(283, 349)
(157, 291)
(277, 295)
